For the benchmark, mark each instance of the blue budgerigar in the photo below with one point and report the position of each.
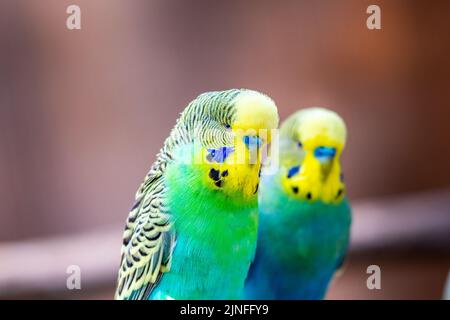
(305, 215)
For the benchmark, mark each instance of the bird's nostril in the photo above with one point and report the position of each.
(295, 190)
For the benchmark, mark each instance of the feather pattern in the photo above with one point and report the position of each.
(149, 237)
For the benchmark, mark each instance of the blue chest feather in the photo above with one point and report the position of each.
(300, 245)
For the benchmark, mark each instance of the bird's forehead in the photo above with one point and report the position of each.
(255, 111)
(322, 128)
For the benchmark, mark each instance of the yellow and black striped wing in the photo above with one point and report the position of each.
(148, 242)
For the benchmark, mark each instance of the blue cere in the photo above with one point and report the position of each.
(324, 153)
(251, 141)
(293, 171)
(219, 155)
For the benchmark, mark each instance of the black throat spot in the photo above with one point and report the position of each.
(214, 174)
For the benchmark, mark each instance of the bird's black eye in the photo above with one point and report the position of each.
(299, 144)
(227, 126)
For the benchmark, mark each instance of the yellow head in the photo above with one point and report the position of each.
(232, 127)
(311, 143)
(256, 116)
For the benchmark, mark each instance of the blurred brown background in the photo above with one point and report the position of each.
(83, 113)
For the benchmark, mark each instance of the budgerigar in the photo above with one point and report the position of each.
(192, 231)
(305, 215)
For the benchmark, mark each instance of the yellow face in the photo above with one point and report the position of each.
(319, 135)
(236, 169)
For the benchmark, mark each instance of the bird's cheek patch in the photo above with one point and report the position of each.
(219, 155)
(293, 171)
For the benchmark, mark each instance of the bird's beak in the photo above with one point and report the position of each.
(319, 161)
(325, 156)
(252, 142)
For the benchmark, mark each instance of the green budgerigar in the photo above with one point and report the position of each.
(192, 231)
(305, 215)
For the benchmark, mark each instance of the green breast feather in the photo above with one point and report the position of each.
(216, 237)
